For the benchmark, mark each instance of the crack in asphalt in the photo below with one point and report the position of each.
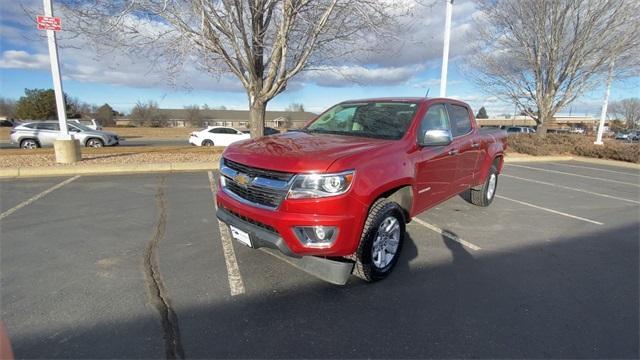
(157, 292)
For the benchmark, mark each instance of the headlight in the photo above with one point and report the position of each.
(320, 185)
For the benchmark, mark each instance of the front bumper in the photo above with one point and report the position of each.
(333, 271)
(343, 212)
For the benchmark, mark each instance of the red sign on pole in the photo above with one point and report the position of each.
(49, 23)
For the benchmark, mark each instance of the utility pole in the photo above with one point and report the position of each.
(67, 149)
(55, 73)
(445, 49)
(605, 104)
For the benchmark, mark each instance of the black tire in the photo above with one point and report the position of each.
(207, 143)
(29, 144)
(485, 195)
(366, 267)
(94, 143)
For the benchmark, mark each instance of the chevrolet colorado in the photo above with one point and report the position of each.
(333, 198)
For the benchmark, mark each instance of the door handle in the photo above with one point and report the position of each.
(475, 145)
(453, 151)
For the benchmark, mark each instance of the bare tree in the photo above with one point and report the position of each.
(295, 107)
(264, 43)
(193, 115)
(627, 109)
(542, 54)
(7, 107)
(148, 114)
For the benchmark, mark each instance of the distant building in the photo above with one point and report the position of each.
(234, 118)
(560, 122)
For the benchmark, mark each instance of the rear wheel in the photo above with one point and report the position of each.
(484, 196)
(29, 144)
(95, 143)
(381, 241)
(207, 143)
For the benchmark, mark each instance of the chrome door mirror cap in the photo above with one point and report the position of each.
(436, 137)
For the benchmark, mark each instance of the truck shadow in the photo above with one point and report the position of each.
(564, 297)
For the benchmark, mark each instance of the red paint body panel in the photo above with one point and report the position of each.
(381, 166)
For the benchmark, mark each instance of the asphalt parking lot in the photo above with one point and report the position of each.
(135, 267)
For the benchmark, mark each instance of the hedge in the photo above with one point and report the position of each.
(573, 144)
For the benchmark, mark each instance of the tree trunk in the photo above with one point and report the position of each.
(541, 131)
(256, 113)
(544, 117)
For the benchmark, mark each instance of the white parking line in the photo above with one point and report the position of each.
(598, 169)
(571, 188)
(446, 234)
(550, 210)
(236, 285)
(36, 197)
(572, 174)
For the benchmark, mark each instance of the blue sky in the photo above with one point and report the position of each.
(121, 81)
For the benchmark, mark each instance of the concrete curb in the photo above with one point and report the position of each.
(71, 170)
(518, 159)
(524, 159)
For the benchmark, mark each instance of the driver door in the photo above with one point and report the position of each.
(436, 166)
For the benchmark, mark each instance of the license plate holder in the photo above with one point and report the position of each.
(242, 237)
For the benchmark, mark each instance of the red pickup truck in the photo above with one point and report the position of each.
(334, 197)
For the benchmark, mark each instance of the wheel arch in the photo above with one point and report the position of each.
(401, 195)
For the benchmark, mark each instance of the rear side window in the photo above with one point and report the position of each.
(435, 118)
(460, 120)
(48, 126)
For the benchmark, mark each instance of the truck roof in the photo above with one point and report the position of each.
(413, 99)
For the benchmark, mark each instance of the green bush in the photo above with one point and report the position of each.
(566, 144)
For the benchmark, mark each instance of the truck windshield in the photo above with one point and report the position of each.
(386, 120)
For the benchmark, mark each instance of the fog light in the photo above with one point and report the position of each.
(316, 236)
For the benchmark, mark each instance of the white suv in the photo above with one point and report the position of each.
(43, 133)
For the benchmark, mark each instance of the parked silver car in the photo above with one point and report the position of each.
(43, 133)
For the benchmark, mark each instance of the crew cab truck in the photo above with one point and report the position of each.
(334, 197)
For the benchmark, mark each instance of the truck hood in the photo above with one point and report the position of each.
(298, 151)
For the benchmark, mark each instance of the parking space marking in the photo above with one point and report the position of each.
(598, 169)
(447, 234)
(236, 285)
(550, 210)
(36, 197)
(572, 174)
(571, 188)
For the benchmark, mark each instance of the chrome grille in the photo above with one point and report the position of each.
(259, 187)
(256, 172)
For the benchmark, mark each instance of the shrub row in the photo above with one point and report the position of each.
(569, 144)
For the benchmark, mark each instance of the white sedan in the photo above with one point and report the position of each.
(216, 136)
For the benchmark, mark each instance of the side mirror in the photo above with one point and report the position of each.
(436, 137)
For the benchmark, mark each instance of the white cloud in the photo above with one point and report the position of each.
(340, 76)
(419, 41)
(18, 59)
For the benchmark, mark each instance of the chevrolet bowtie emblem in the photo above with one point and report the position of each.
(242, 179)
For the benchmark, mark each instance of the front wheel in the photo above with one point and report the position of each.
(207, 143)
(484, 196)
(95, 143)
(381, 241)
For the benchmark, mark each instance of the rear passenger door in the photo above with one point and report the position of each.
(465, 145)
(47, 133)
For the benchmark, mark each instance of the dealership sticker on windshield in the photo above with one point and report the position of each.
(240, 235)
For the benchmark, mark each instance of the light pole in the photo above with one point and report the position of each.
(66, 148)
(445, 49)
(605, 104)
